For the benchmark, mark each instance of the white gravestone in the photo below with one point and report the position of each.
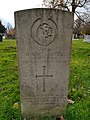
(73, 37)
(43, 42)
(86, 38)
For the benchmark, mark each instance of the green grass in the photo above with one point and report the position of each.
(9, 82)
(79, 84)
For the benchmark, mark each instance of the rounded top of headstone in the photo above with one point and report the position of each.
(42, 9)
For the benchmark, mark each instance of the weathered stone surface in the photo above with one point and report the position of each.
(43, 42)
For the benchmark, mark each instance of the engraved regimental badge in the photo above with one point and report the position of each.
(44, 33)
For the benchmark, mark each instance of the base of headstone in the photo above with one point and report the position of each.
(42, 117)
(39, 118)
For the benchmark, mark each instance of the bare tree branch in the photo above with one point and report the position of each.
(65, 4)
(82, 23)
(78, 15)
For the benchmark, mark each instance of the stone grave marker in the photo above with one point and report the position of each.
(86, 38)
(73, 37)
(43, 43)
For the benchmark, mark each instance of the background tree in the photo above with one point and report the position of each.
(70, 5)
(10, 31)
(9, 26)
(77, 26)
(83, 20)
(2, 31)
(82, 24)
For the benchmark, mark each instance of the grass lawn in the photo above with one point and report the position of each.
(79, 84)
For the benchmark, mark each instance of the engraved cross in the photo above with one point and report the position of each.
(44, 76)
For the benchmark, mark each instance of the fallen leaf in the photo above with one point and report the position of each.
(16, 105)
(62, 118)
(70, 101)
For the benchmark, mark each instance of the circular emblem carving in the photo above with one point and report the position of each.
(44, 33)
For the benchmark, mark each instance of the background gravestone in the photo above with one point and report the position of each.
(44, 42)
(86, 38)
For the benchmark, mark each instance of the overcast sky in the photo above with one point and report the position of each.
(8, 7)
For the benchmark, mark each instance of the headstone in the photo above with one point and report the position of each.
(73, 38)
(43, 42)
(81, 36)
(86, 38)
